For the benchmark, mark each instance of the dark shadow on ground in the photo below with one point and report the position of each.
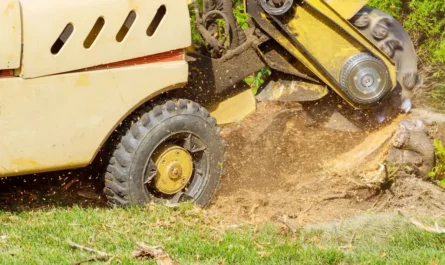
(82, 187)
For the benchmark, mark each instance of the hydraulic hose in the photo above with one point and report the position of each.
(237, 36)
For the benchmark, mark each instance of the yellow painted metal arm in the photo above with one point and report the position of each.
(347, 8)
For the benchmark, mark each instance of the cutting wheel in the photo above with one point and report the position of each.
(365, 79)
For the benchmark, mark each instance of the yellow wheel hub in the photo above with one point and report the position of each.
(174, 168)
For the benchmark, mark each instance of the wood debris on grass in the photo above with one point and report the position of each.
(154, 252)
(95, 258)
(285, 220)
(435, 229)
(349, 246)
(101, 255)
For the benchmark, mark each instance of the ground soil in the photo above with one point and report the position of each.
(280, 163)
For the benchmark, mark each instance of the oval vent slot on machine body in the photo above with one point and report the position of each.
(62, 39)
(160, 14)
(92, 36)
(128, 23)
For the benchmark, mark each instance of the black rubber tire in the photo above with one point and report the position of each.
(124, 183)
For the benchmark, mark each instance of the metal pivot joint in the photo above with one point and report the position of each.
(276, 7)
(365, 78)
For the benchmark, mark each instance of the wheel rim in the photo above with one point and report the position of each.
(177, 169)
(174, 168)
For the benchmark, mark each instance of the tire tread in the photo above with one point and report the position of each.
(117, 176)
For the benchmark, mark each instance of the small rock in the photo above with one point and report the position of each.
(340, 123)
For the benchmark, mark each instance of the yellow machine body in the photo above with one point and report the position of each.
(347, 8)
(57, 110)
(235, 108)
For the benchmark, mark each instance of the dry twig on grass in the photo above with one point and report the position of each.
(435, 229)
(96, 258)
(156, 253)
(349, 245)
(352, 238)
(74, 245)
(101, 255)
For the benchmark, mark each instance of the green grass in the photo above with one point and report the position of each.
(193, 236)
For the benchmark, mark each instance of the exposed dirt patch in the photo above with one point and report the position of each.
(281, 163)
(276, 143)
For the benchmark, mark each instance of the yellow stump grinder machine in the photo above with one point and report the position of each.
(77, 77)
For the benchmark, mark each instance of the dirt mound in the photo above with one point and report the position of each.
(281, 163)
(277, 142)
